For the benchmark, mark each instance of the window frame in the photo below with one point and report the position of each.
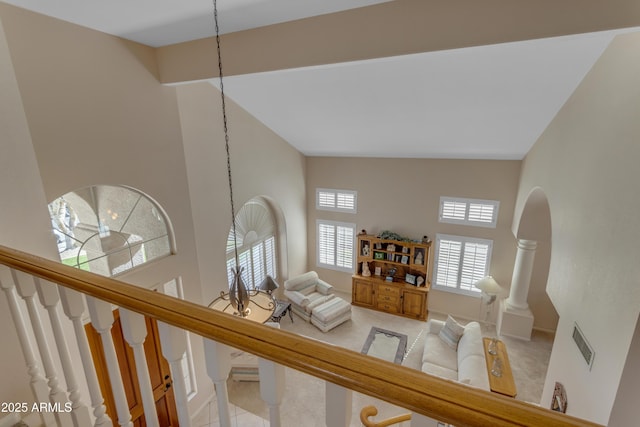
(334, 266)
(473, 291)
(495, 204)
(337, 193)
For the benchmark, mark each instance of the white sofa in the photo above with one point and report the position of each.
(305, 292)
(465, 364)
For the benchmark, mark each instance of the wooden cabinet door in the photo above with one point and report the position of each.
(414, 304)
(362, 292)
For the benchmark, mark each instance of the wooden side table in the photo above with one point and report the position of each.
(503, 384)
(282, 307)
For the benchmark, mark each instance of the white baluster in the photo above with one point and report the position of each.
(49, 298)
(73, 307)
(338, 405)
(271, 388)
(102, 321)
(218, 358)
(27, 290)
(174, 347)
(134, 329)
(38, 383)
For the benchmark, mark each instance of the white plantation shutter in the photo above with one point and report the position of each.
(454, 210)
(448, 263)
(336, 200)
(326, 244)
(335, 245)
(480, 213)
(257, 261)
(460, 262)
(344, 247)
(270, 256)
(474, 265)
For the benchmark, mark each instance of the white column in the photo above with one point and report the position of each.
(38, 384)
(522, 270)
(338, 405)
(515, 319)
(218, 361)
(174, 347)
(49, 298)
(102, 320)
(134, 330)
(73, 307)
(271, 388)
(27, 290)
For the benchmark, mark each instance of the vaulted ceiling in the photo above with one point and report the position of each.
(473, 80)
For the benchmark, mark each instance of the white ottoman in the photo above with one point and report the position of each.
(330, 314)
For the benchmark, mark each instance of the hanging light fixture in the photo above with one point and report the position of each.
(252, 304)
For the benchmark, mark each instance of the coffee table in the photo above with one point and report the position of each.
(384, 344)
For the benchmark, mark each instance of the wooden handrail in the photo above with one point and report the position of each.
(372, 411)
(434, 397)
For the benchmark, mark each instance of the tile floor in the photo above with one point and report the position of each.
(208, 417)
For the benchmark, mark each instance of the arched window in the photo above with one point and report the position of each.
(109, 229)
(256, 242)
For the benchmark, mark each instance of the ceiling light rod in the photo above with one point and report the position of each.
(256, 305)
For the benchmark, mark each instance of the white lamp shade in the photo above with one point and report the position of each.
(488, 285)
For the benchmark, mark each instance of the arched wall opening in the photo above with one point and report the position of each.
(535, 224)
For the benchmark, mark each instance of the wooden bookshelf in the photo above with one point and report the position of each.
(402, 285)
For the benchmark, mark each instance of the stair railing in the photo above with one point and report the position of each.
(343, 370)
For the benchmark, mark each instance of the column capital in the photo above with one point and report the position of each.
(527, 245)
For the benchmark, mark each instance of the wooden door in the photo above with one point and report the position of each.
(159, 373)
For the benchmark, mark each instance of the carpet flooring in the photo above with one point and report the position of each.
(304, 398)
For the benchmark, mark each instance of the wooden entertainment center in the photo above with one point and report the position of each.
(398, 280)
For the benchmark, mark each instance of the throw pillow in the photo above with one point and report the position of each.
(451, 332)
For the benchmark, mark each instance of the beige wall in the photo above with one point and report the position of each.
(403, 195)
(24, 222)
(97, 114)
(262, 165)
(586, 164)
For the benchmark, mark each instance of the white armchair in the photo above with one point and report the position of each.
(305, 292)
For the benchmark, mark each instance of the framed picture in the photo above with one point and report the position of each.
(410, 278)
(405, 249)
(378, 255)
(378, 271)
(405, 259)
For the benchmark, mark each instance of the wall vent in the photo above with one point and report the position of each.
(583, 345)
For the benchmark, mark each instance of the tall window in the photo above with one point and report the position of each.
(335, 245)
(256, 240)
(479, 213)
(336, 200)
(460, 262)
(109, 229)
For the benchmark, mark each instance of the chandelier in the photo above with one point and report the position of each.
(254, 304)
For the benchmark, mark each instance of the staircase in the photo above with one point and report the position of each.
(36, 286)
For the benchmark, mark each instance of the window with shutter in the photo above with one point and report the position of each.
(460, 262)
(336, 200)
(335, 249)
(480, 213)
(256, 241)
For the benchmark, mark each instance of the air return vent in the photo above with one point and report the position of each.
(583, 345)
